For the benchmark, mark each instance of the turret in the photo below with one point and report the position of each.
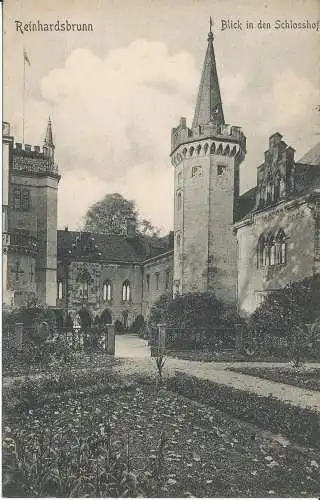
(206, 158)
(48, 146)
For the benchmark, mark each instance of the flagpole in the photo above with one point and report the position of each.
(23, 94)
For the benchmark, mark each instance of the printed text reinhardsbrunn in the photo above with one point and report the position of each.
(66, 25)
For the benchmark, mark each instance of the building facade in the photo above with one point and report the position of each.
(240, 247)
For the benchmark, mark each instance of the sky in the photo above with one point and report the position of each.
(115, 93)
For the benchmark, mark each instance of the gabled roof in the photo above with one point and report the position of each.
(108, 248)
(209, 104)
(312, 157)
(247, 203)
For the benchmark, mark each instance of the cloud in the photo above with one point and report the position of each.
(115, 113)
(113, 116)
(112, 120)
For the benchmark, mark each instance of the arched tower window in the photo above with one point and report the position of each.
(107, 292)
(60, 290)
(126, 291)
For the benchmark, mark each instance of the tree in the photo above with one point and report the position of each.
(110, 216)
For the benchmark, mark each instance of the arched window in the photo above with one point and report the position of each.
(126, 291)
(282, 247)
(271, 249)
(260, 251)
(107, 295)
(179, 200)
(60, 290)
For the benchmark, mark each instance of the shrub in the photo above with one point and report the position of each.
(119, 326)
(296, 305)
(138, 326)
(196, 318)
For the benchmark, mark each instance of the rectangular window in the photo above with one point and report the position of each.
(179, 178)
(157, 281)
(196, 171)
(17, 198)
(148, 281)
(25, 200)
(221, 169)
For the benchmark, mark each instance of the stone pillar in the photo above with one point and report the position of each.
(18, 336)
(110, 339)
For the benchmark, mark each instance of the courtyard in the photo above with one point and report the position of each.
(103, 426)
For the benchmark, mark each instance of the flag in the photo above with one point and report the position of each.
(26, 58)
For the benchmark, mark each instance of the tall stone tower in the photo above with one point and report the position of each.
(206, 159)
(32, 222)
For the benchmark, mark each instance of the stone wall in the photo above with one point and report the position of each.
(298, 225)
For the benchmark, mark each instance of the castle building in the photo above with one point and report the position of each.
(29, 213)
(241, 247)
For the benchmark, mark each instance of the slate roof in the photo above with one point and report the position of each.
(110, 248)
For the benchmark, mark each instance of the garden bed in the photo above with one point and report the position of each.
(307, 379)
(302, 425)
(79, 360)
(156, 442)
(225, 356)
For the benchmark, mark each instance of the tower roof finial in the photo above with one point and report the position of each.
(48, 141)
(209, 105)
(210, 34)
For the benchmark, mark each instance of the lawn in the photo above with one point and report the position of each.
(307, 379)
(68, 448)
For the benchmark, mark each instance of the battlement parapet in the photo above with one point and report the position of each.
(28, 150)
(224, 132)
(30, 159)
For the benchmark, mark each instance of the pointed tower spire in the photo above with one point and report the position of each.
(209, 105)
(48, 146)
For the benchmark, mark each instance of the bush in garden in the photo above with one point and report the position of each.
(196, 318)
(295, 305)
(138, 326)
(119, 326)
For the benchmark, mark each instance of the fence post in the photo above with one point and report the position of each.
(18, 336)
(158, 346)
(110, 339)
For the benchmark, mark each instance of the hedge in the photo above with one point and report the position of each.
(300, 425)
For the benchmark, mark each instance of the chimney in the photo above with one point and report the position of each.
(66, 229)
(131, 227)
